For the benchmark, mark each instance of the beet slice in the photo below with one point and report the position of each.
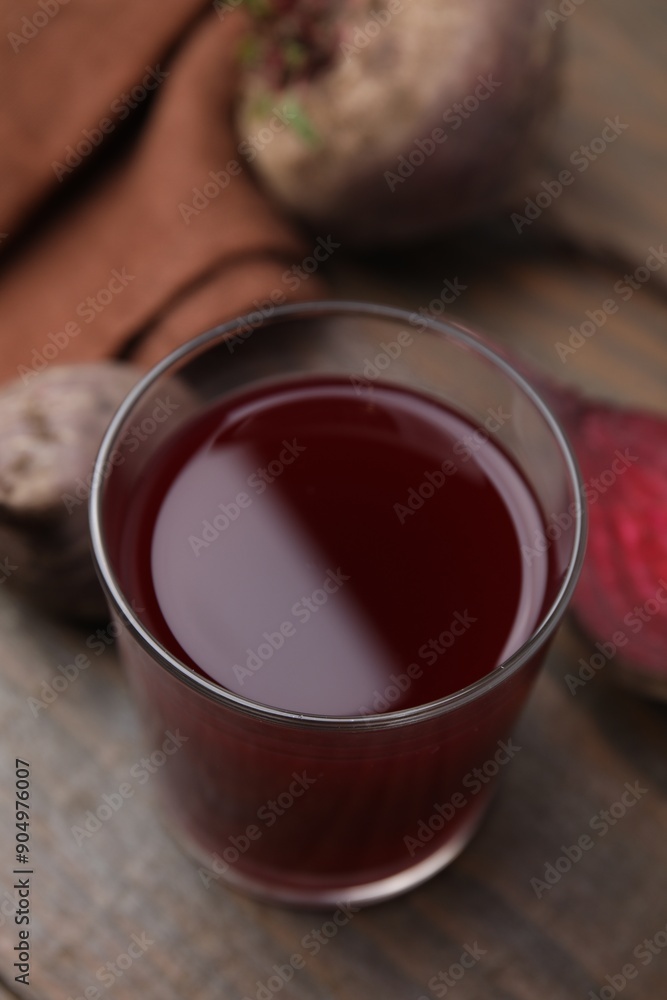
(621, 596)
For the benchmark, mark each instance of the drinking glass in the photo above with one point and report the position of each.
(311, 809)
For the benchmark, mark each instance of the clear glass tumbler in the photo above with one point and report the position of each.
(312, 809)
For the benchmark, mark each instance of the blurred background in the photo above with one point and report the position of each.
(152, 185)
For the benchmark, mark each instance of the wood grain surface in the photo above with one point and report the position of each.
(129, 880)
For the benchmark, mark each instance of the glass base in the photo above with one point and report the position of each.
(327, 897)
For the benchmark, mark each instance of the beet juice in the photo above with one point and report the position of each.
(337, 550)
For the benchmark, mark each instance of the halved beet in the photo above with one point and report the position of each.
(621, 597)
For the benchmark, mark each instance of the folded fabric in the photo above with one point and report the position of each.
(164, 240)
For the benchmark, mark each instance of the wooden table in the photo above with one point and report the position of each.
(129, 879)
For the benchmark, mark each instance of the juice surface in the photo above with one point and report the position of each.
(333, 550)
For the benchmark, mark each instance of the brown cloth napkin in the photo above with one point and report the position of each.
(174, 236)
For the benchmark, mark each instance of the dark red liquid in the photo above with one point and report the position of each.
(375, 565)
(333, 552)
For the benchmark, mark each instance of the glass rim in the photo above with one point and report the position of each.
(549, 619)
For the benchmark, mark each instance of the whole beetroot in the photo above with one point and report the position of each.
(396, 120)
(50, 431)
